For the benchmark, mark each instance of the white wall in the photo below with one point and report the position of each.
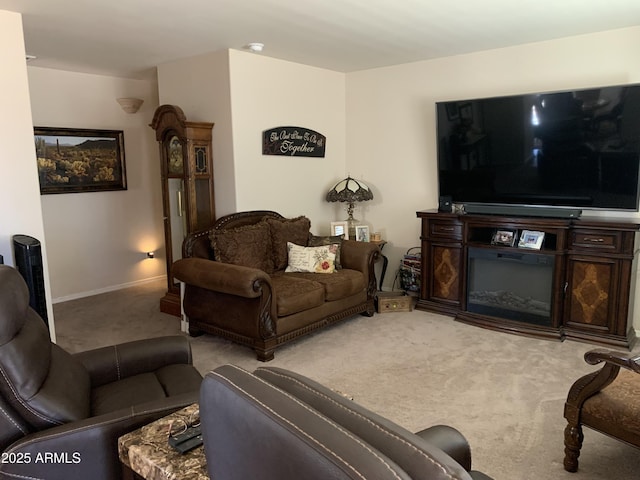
(267, 93)
(244, 94)
(20, 210)
(391, 115)
(96, 241)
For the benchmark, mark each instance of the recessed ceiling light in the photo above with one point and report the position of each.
(255, 47)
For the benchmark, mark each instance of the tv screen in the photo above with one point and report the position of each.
(577, 148)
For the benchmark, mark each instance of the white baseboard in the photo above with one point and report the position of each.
(111, 288)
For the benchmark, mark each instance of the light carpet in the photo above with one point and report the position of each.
(504, 392)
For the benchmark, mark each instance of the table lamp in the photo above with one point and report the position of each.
(350, 191)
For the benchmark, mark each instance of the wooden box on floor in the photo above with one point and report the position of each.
(393, 302)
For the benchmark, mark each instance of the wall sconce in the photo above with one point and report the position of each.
(151, 254)
(130, 105)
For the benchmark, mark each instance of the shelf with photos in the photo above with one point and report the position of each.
(519, 238)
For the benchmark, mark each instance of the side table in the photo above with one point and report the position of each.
(385, 260)
(145, 453)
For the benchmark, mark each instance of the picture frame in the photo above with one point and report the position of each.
(74, 160)
(504, 237)
(340, 228)
(362, 233)
(531, 239)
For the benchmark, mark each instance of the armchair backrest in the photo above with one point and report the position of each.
(274, 424)
(415, 455)
(41, 385)
(197, 244)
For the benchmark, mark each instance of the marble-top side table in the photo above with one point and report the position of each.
(145, 453)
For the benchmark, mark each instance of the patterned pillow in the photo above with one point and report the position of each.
(294, 230)
(249, 246)
(311, 259)
(320, 241)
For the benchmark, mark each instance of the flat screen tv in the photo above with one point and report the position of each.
(578, 149)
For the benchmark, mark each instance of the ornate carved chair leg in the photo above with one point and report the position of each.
(573, 438)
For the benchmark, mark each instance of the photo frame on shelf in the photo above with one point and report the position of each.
(73, 160)
(531, 239)
(504, 237)
(362, 233)
(340, 228)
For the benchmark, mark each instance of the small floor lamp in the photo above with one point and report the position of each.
(350, 191)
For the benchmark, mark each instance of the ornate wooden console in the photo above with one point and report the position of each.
(581, 279)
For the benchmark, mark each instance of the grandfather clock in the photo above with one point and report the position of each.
(187, 186)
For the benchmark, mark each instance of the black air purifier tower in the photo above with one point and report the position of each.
(28, 253)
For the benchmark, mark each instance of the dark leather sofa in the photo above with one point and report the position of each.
(61, 414)
(274, 424)
(249, 298)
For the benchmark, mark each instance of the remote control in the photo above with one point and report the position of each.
(189, 439)
(188, 444)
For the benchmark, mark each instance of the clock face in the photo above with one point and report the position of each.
(176, 160)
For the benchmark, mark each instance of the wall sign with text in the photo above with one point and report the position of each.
(293, 141)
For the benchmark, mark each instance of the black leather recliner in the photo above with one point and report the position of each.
(274, 424)
(61, 414)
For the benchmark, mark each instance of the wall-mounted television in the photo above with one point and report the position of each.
(577, 148)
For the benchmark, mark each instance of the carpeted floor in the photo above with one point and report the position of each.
(504, 392)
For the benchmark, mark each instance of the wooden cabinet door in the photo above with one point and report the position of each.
(592, 294)
(445, 272)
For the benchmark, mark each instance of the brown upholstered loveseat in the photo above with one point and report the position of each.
(236, 285)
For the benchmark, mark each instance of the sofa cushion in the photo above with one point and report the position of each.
(311, 259)
(124, 393)
(249, 246)
(294, 294)
(294, 230)
(43, 383)
(316, 241)
(341, 284)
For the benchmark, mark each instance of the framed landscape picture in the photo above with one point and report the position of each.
(79, 160)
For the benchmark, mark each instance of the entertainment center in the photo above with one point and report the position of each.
(577, 285)
(509, 248)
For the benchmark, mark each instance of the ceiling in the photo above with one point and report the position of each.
(130, 37)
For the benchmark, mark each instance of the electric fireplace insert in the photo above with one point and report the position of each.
(510, 284)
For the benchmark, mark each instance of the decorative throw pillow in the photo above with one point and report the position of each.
(311, 259)
(249, 246)
(315, 241)
(294, 230)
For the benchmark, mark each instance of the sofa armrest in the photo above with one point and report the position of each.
(592, 383)
(221, 277)
(359, 256)
(628, 360)
(109, 364)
